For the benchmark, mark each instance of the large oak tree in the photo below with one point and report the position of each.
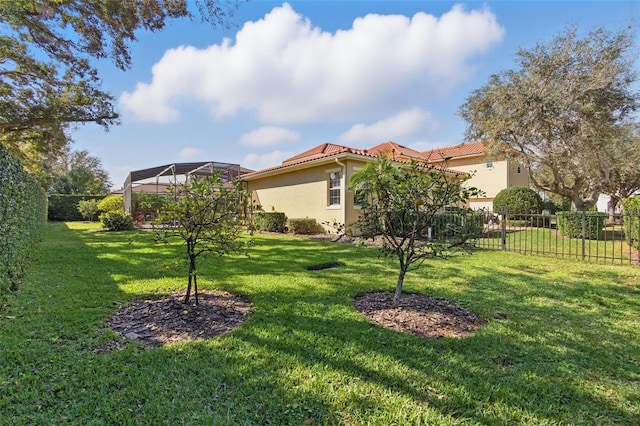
(48, 48)
(560, 110)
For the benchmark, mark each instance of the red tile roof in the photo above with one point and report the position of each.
(467, 149)
(395, 150)
(327, 150)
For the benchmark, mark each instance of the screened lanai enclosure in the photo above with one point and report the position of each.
(163, 179)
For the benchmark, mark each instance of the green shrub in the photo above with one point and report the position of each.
(570, 224)
(518, 199)
(63, 207)
(303, 226)
(112, 203)
(117, 221)
(457, 222)
(270, 221)
(23, 218)
(631, 208)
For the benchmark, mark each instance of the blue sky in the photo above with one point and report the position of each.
(290, 76)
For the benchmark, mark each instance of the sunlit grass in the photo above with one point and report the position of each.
(544, 241)
(562, 345)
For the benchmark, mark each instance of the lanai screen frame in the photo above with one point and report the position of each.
(228, 172)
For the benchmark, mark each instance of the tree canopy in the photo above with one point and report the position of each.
(74, 172)
(560, 111)
(47, 47)
(407, 208)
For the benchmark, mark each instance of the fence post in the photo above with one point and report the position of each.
(503, 226)
(584, 232)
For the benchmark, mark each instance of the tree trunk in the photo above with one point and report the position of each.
(398, 293)
(193, 278)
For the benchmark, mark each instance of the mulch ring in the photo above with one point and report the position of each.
(159, 321)
(418, 314)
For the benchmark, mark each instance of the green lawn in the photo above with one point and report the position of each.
(611, 248)
(562, 345)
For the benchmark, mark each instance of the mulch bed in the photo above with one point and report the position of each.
(159, 321)
(418, 314)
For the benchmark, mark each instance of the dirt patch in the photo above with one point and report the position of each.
(159, 321)
(418, 314)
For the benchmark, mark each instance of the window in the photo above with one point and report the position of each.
(359, 197)
(489, 163)
(334, 188)
(518, 169)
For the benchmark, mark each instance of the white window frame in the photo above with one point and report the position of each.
(337, 186)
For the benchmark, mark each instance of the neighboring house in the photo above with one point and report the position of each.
(314, 184)
(488, 174)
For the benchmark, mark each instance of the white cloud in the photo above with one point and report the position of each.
(269, 136)
(289, 71)
(189, 153)
(406, 124)
(257, 162)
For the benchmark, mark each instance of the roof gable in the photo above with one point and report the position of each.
(467, 149)
(319, 151)
(395, 150)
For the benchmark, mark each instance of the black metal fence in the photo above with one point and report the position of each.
(588, 236)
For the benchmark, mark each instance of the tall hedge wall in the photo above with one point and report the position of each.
(64, 207)
(23, 217)
(631, 208)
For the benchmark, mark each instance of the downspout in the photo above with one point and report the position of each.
(343, 191)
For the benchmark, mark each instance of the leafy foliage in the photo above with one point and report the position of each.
(400, 204)
(570, 224)
(632, 220)
(111, 203)
(625, 177)
(517, 199)
(47, 79)
(304, 226)
(560, 111)
(66, 207)
(23, 217)
(117, 221)
(88, 209)
(270, 221)
(208, 214)
(149, 204)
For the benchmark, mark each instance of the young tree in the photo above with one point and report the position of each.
(208, 215)
(560, 111)
(47, 80)
(88, 209)
(407, 208)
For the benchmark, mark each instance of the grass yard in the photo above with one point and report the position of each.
(611, 248)
(562, 345)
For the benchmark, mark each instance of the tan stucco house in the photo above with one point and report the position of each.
(315, 183)
(491, 175)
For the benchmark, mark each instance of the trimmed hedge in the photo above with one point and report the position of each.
(64, 207)
(270, 221)
(631, 208)
(570, 224)
(518, 199)
(23, 218)
(304, 226)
